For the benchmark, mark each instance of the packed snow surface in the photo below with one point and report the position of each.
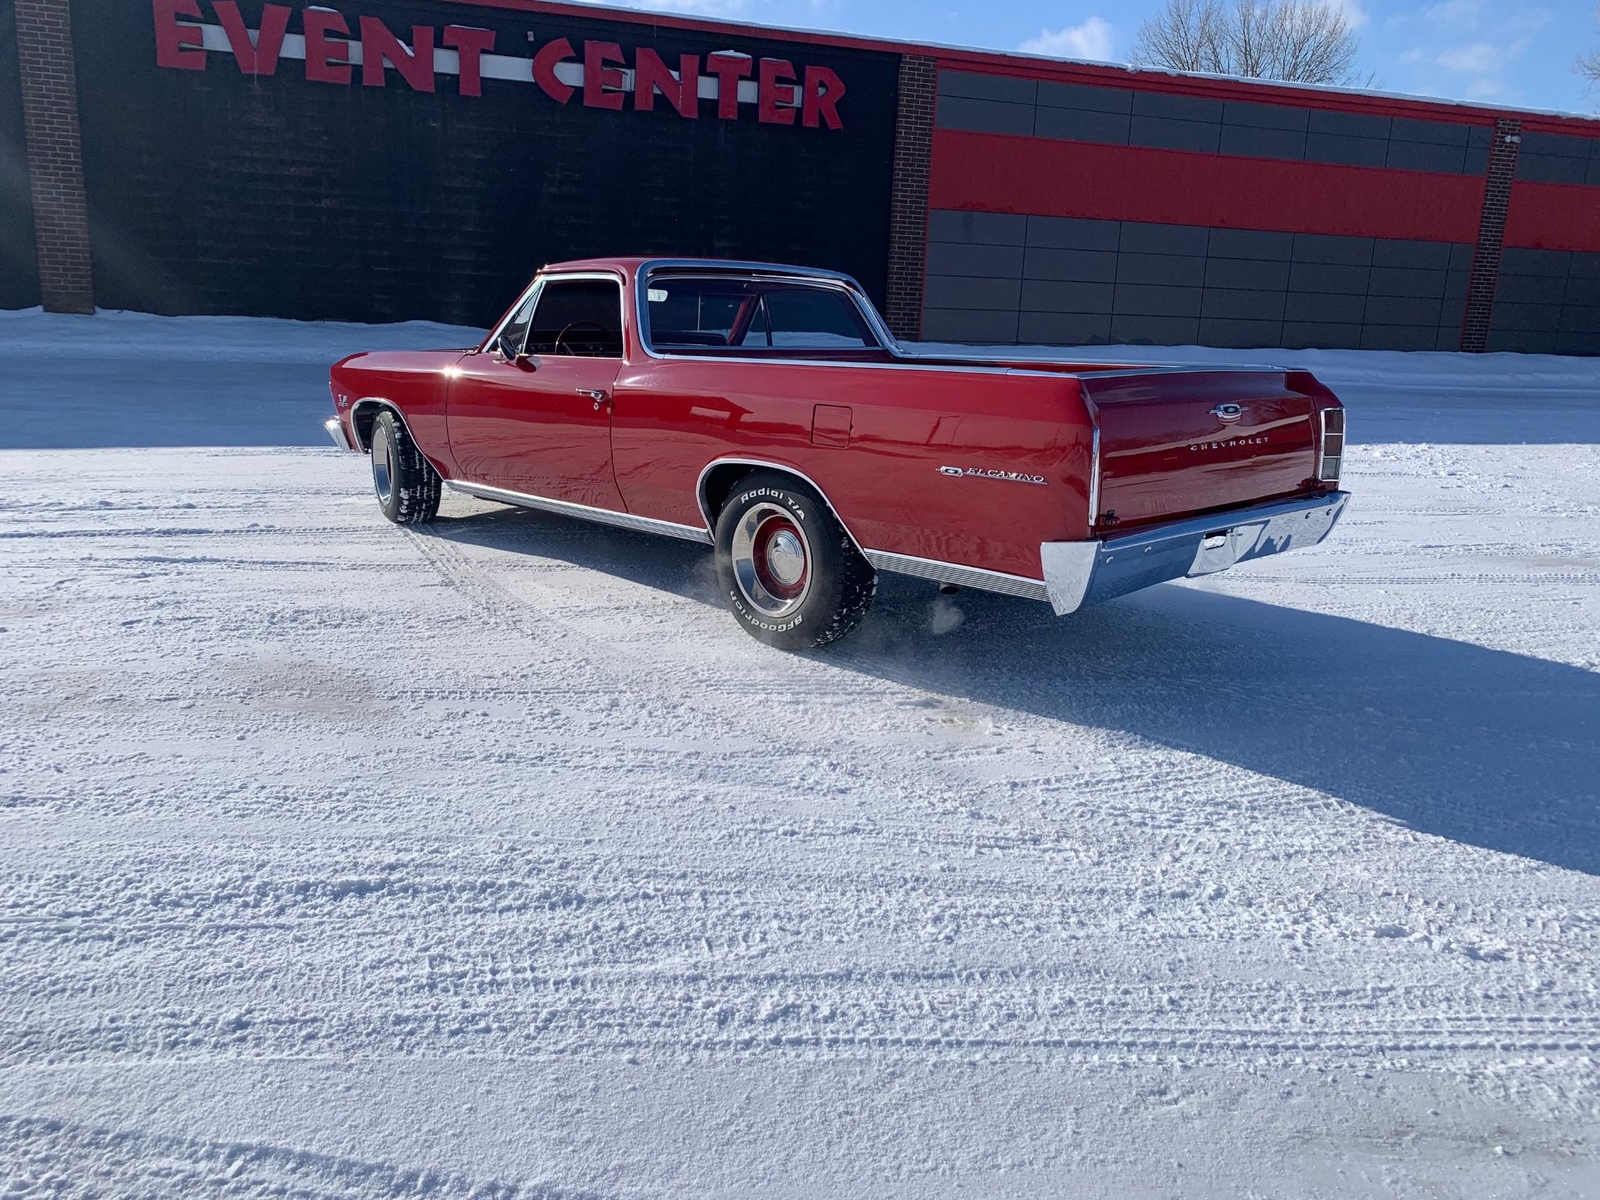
(492, 859)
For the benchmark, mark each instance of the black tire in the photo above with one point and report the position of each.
(768, 521)
(407, 486)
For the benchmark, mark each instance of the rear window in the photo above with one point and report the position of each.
(692, 313)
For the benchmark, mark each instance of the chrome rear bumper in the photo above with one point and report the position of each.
(1078, 574)
(335, 428)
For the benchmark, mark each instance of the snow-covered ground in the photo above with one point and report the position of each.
(492, 859)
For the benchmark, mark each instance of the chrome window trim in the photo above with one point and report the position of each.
(586, 512)
(534, 290)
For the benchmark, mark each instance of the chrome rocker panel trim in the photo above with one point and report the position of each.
(1078, 574)
(335, 429)
(945, 572)
(585, 512)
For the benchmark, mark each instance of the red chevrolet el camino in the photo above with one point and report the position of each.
(767, 411)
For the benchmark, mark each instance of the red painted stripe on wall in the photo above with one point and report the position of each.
(988, 172)
(1553, 216)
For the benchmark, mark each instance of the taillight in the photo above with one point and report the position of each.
(1332, 460)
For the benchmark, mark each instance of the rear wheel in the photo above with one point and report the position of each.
(407, 486)
(793, 577)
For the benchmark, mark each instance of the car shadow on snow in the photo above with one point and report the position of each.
(1480, 746)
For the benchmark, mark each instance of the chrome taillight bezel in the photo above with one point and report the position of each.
(1330, 449)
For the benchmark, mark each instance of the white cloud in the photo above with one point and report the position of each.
(1353, 11)
(1476, 58)
(1095, 40)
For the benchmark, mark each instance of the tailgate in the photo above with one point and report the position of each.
(1177, 443)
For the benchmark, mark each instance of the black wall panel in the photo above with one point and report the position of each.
(1547, 302)
(1161, 120)
(1005, 278)
(213, 192)
(19, 259)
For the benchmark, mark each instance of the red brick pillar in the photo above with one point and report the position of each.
(908, 205)
(55, 154)
(1491, 235)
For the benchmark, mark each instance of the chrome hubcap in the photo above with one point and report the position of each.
(771, 561)
(382, 472)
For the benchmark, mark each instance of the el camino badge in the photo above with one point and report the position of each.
(985, 473)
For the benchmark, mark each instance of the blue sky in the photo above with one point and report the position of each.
(1506, 53)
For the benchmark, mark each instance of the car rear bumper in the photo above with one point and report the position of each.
(335, 428)
(1078, 574)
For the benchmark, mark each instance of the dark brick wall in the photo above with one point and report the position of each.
(908, 207)
(1503, 156)
(19, 259)
(213, 192)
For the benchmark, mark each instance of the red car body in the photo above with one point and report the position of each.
(1012, 475)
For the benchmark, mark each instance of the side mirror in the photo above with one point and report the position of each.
(506, 349)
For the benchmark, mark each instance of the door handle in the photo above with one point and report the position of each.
(598, 395)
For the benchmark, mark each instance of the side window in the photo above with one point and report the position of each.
(579, 318)
(803, 318)
(693, 314)
(515, 332)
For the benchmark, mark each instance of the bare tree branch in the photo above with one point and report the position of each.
(1302, 41)
(1589, 64)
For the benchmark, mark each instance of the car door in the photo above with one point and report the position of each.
(538, 422)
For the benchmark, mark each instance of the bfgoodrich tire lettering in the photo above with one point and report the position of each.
(407, 486)
(791, 574)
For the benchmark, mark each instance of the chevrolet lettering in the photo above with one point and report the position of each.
(767, 412)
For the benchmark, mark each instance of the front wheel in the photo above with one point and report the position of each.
(793, 577)
(408, 488)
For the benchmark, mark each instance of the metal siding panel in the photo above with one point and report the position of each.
(1333, 248)
(980, 262)
(1403, 310)
(985, 116)
(1151, 300)
(1312, 308)
(1349, 124)
(990, 295)
(1426, 156)
(1241, 334)
(987, 87)
(1433, 256)
(1530, 289)
(1406, 281)
(1073, 125)
(1437, 133)
(1086, 266)
(1258, 244)
(1162, 134)
(1241, 305)
(1325, 335)
(1061, 328)
(1398, 337)
(1461, 256)
(1168, 269)
(1521, 341)
(1514, 261)
(1265, 116)
(1141, 237)
(1177, 107)
(1536, 317)
(1085, 98)
(977, 229)
(965, 325)
(1583, 265)
(1049, 295)
(1327, 277)
(1563, 145)
(1262, 143)
(1578, 343)
(1552, 168)
(1580, 318)
(1156, 331)
(1346, 151)
(1582, 291)
(1074, 233)
(1245, 273)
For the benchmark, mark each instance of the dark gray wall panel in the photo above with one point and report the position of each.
(1326, 248)
(1303, 335)
(1049, 295)
(1402, 310)
(1583, 265)
(1346, 151)
(1329, 277)
(1064, 328)
(1578, 343)
(1251, 243)
(1578, 318)
(1162, 134)
(1223, 303)
(1245, 273)
(1077, 125)
(1262, 143)
(1241, 334)
(1073, 233)
(977, 229)
(988, 87)
(1535, 262)
(981, 262)
(1530, 289)
(1088, 266)
(1151, 300)
(968, 325)
(1171, 269)
(1426, 156)
(1439, 133)
(1434, 256)
(1266, 116)
(1089, 99)
(1402, 281)
(985, 116)
(1582, 292)
(997, 295)
(1156, 331)
(1522, 342)
(1313, 307)
(1176, 107)
(1142, 238)
(1537, 317)
(1349, 124)
(1399, 337)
